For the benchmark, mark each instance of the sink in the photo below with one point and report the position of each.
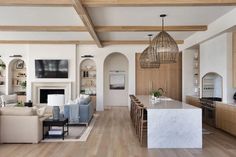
(165, 99)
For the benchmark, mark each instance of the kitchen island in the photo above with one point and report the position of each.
(172, 124)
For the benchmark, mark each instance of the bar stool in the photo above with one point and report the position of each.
(143, 127)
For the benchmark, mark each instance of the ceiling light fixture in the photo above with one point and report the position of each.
(148, 58)
(165, 46)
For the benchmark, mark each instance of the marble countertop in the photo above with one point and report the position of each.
(163, 103)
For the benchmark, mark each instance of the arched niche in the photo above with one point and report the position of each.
(116, 76)
(2, 78)
(17, 78)
(212, 85)
(88, 77)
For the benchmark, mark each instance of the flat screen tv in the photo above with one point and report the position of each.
(51, 68)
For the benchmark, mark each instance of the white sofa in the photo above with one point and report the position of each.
(9, 100)
(20, 125)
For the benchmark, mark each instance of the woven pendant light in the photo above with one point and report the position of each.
(148, 58)
(165, 46)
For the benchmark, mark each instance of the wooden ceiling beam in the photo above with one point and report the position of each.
(117, 3)
(44, 28)
(101, 29)
(81, 42)
(141, 3)
(131, 42)
(149, 28)
(83, 13)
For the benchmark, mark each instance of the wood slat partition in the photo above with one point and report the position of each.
(168, 77)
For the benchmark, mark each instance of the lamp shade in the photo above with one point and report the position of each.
(56, 100)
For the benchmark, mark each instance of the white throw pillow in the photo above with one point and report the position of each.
(41, 111)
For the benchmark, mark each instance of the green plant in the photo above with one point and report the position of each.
(3, 66)
(20, 104)
(157, 93)
(23, 84)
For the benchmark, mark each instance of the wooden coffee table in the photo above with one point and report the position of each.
(49, 123)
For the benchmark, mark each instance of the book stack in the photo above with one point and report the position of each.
(55, 131)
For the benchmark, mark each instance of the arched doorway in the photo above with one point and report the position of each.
(17, 79)
(116, 78)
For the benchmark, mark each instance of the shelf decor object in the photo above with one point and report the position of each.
(148, 58)
(165, 46)
(56, 100)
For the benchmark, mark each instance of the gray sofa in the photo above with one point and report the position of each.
(84, 110)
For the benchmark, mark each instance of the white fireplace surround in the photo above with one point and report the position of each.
(37, 86)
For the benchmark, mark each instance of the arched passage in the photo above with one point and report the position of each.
(116, 88)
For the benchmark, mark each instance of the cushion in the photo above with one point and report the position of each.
(17, 111)
(84, 99)
(42, 110)
(9, 99)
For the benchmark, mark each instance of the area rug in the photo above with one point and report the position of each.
(76, 133)
(206, 132)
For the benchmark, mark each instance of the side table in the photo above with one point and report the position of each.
(62, 122)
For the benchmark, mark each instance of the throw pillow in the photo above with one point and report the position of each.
(41, 111)
(84, 99)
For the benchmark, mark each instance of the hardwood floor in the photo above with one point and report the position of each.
(114, 136)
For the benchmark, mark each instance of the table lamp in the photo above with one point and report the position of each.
(56, 100)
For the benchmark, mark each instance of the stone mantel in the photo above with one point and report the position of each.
(36, 86)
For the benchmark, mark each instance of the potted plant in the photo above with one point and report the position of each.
(23, 84)
(2, 66)
(157, 93)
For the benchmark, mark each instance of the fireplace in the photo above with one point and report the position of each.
(43, 94)
(40, 90)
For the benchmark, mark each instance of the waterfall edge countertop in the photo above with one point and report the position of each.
(163, 103)
(172, 124)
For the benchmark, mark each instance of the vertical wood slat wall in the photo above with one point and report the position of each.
(234, 59)
(168, 77)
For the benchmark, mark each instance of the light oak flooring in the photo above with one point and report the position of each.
(113, 136)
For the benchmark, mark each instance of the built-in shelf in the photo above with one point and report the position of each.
(196, 70)
(88, 77)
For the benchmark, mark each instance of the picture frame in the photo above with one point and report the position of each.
(117, 82)
(20, 64)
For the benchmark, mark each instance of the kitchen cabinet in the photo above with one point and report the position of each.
(93, 99)
(195, 101)
(168, 77)
(226, 117)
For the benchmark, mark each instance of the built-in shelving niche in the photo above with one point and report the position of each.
(17, 79)
(2, 78)
(88, 77)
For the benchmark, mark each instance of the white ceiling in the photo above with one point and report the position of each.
(150, 15)
(108, 16)
(42, 16)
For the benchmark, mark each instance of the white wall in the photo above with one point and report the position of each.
(8, 50)
(99, 57)
(31, 52)
(187, 73)
(52, 52)
(216, 56)
(115, 62)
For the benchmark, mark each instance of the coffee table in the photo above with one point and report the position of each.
(49, 123)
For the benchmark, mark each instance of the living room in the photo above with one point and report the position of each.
(74, 80)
